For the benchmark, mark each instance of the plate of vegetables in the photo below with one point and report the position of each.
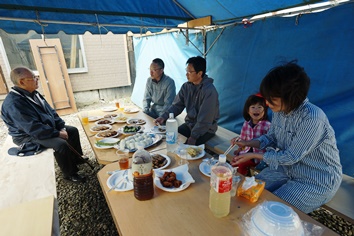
(106, 143)
(131, 129)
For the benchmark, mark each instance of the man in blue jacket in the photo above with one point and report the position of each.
(30, 118)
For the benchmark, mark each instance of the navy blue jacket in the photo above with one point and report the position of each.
(25, 117)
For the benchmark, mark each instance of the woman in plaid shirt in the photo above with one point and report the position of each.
(256, 124)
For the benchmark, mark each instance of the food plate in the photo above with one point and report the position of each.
(204, 167)
(99, 128)
(120, 177)
(110, 116)
(200, 148)
(107, 134)
(140, 129)
(131, 110)
(108, 109)
(168, 161)
(156, 130)
(121, 119)
(104, 122)
(182, 174)
(134, 121)
(155, 139)
(94, 118)
(106, 143)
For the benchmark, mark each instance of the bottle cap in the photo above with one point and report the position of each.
(172, 115)
(222, 158)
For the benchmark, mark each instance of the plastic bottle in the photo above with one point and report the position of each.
(171, 133)
(142, 174)
(220, 188)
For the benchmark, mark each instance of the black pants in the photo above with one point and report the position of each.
(186, 131)
(67, 160)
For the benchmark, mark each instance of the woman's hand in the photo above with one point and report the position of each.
(236, 160)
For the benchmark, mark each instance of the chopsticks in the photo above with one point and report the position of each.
(229, 149)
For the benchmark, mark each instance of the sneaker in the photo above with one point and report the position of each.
(75, 178)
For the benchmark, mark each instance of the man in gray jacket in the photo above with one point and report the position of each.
(160, 90)
(200, 98)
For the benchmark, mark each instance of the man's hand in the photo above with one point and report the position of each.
(191, 141)
(159, 121)
(63, 134)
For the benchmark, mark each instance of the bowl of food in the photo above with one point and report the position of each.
(104, 122)
(100, 128)
(275, 218)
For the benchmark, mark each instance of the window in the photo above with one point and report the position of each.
(18, 50)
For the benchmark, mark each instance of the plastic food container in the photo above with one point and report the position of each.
(276, 219)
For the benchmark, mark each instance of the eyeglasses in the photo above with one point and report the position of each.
(34, 78)
(190, 72)
(154, 70)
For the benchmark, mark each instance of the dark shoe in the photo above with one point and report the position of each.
(75, 178)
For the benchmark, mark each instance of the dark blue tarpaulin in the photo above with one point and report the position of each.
(100, 17)
(322, 43)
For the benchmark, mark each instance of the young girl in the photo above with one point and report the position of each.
(256, 124)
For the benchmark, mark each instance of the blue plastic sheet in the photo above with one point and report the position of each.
(322, 43)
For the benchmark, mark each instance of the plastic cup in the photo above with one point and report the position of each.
(123, 159)
(117, 104)
(84, 117)
(183, 155)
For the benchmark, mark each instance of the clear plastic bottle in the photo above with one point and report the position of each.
(220, 188)
(142, 174)
(171, 133)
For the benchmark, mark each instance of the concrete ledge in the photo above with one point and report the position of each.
(342, 204)
(24, 179)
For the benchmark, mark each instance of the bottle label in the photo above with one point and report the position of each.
(141, 169)
(171, 137)
(223, 185)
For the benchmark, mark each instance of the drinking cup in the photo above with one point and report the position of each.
(123, 159)
(84, 117)
(183, 155)
(117, 104)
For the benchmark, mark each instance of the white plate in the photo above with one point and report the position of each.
(155, 137)
(134, 121)
(95, 131)
(189, 157)
(99, 137)
(168, 159)
(117, 120)
(131, 110)
(111, 122)
(205, 168)
(156, 130)
(121, 130)
(110, 116)
(118, 176)
(94, 118)
(113, 141)
(182, 176)
(108, 109)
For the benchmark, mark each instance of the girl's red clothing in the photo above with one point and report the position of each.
(248, 133)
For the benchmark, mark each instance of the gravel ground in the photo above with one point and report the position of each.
(83, 209)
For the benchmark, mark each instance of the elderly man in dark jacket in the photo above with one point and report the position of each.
(30, 118)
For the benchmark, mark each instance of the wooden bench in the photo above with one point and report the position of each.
(342, 204)
(29, 178)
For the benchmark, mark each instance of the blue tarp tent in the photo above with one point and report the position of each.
(321, 42)
(238, 57)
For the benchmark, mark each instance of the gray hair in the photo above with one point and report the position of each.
(19, 73)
